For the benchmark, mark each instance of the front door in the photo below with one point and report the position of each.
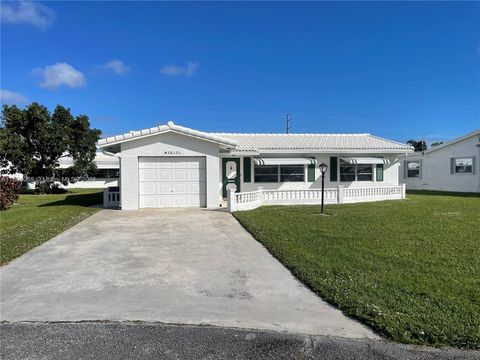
(230, 175)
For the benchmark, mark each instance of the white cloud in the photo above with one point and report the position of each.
(175, 70)
(26, 12)
(117, 66)
(60, 74)
(9, 97)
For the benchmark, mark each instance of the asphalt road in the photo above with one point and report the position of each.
(120, 340)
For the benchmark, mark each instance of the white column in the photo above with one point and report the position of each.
(231, 200)
(260, 193)
(340, 194)
(403, 191)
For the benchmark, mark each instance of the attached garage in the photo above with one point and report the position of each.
(168, 166)
(172, 182)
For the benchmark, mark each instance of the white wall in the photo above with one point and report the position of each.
(390, 175)
(435, 171)
(98, 183)
(168, 145)
(94, 184)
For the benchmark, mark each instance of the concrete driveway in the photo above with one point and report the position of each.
(171, 266)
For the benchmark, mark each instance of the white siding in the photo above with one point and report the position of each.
(167, 145)
(94, 184)
(435, 172)
(390, 176)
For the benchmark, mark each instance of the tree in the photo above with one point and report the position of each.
(436, 143)
(32, 141)
(420, 145)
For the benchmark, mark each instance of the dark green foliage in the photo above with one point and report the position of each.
(49, 187)
(32, 141)
(419, 145)
(9, 190)
(409, 269)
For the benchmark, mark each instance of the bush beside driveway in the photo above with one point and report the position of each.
(409, 269)
(35, 219)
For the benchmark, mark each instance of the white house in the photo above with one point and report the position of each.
(174, 166)
(107, 174)
(452, 166)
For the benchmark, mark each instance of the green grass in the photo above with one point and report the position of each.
(37, 218)
(409, 269)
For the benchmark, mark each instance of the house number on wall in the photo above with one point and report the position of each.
(172, 152)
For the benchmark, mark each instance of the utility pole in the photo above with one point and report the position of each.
(288, 124)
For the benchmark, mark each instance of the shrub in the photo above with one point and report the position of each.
(9, 190)
(49, 187)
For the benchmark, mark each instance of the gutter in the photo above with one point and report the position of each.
(108, 153)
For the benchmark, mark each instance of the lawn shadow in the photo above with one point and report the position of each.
(85, 200)
(444, 193)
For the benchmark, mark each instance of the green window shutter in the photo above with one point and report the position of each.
(311, 172)
(247, 169)
(333, 168)
(379, 172)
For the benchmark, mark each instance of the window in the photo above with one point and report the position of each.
(106, 173)
(364, 172)
(113, 173)
(413, 169)
(347, 171)
(292, 173)
(266, 173)
(279, 173)
(463, 165)
(352, 172)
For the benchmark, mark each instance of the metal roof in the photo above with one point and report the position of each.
(102, 161)
(314, 142)
(260, 143)
(169, 127)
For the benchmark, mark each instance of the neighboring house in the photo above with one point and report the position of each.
(452, 166)
(107, 173)
(174, 166)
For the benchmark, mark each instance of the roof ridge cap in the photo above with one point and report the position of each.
(392, 141)
(294, 134)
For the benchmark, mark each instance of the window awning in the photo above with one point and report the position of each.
(284, 161)
(366, 160)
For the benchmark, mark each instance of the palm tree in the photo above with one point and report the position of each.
(420, 145)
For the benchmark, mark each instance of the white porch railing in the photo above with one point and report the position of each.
(339, 195)
(111, 197)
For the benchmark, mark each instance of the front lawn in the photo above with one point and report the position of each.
(410, 269)
(37, 218)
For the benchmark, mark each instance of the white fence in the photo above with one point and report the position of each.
(339, 195)
(111, 197)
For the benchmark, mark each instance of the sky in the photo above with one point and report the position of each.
(397, 70)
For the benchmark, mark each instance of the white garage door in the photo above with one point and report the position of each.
(171, 182)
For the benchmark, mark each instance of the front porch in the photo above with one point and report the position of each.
(339, 195)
